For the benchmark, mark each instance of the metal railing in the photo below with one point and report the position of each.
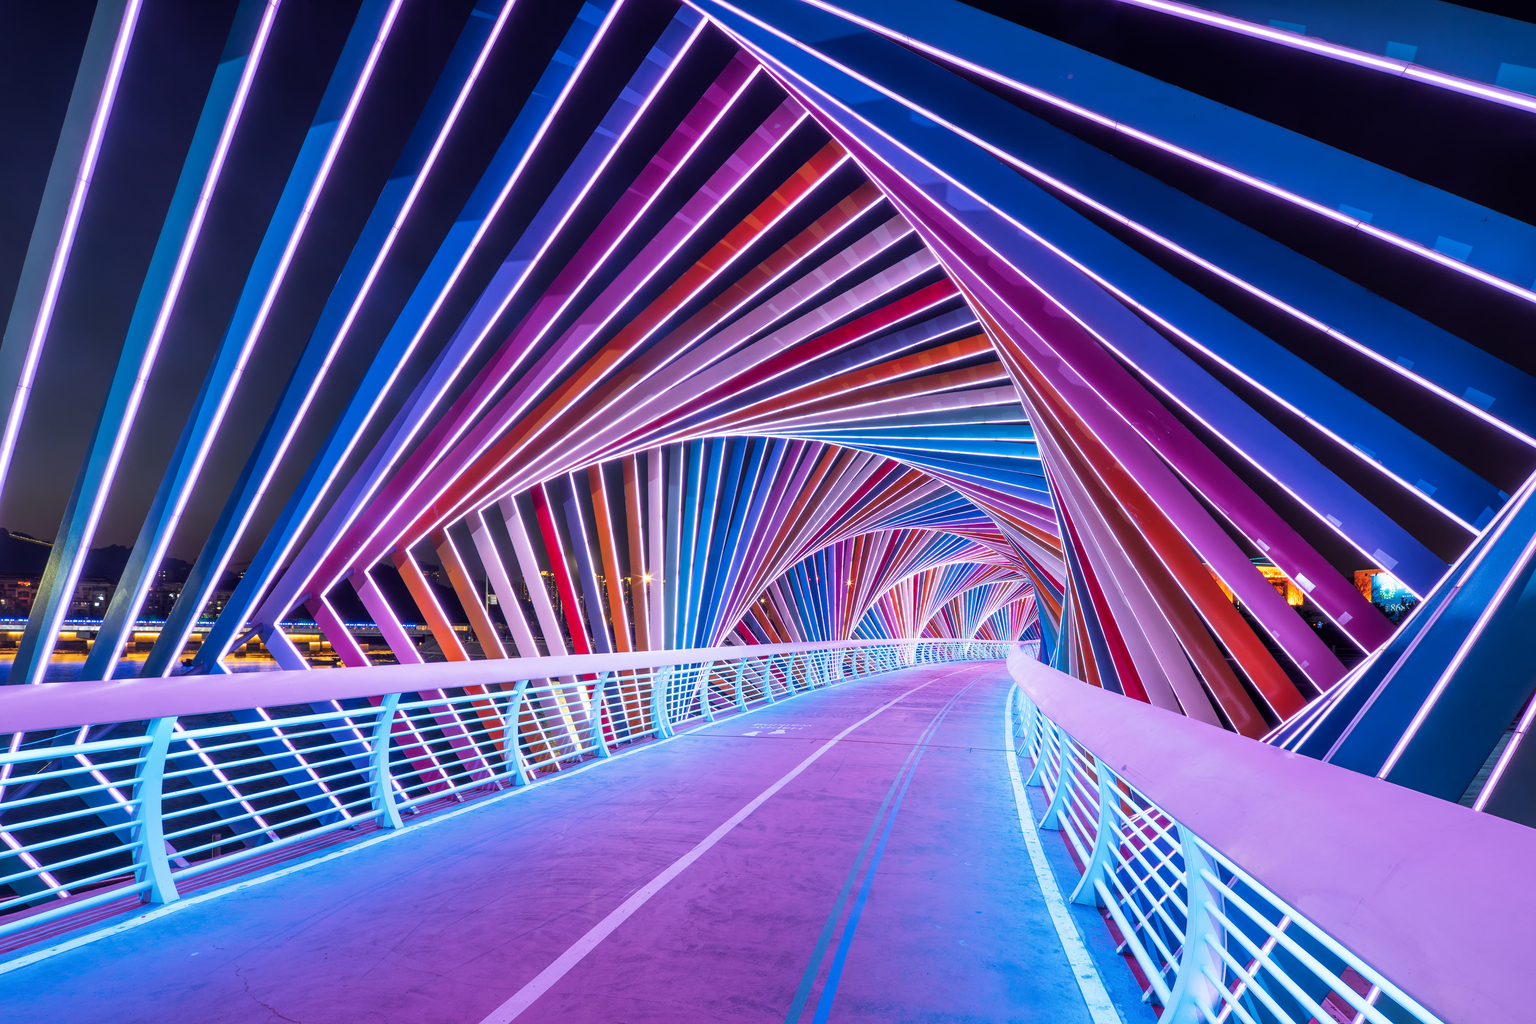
(1212, 943)
(91, 814)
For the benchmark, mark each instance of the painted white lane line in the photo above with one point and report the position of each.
(1100, 1007)
(546, 979)
(75, 941)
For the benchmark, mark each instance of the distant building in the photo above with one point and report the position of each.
(92, 595)
(163, 593)
(18, 590)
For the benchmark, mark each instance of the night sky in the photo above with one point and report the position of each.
(176, 50)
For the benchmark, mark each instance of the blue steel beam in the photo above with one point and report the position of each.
(59, 213)
(545, 104)
(361, 270)
(541, 106)
(885, 119)
(301, 194)
(151, 314)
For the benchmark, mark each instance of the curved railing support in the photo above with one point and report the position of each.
(1251, 884)
(387, 812)
(153, 866)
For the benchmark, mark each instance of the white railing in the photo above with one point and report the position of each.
(1212, 942)
(204, 778)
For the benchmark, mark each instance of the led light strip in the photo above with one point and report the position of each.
(188, 472)
(99, 488)
(66, 243)
(1312, 44)
(1252, 181)
(295, 420)
(482, 437)
(982, 243)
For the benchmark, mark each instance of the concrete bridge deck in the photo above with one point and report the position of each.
(854, 854)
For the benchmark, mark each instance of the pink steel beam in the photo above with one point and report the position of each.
(488, 439)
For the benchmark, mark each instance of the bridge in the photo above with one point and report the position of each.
(790, 831)
(806, 510)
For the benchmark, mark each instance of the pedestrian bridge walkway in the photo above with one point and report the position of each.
(851, 831)
(854, 854)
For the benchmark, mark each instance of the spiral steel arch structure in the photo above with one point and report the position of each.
(1150, 331)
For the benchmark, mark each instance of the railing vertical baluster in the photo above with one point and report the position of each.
(1194, 997)
(660, 713)
(704, 679)
(150, 860)
(599, 705)
(741, 672)
(1043, 732)
(1106, 839)
(1052, 816)
(515, 733)
(384, 806)
(1031, 714)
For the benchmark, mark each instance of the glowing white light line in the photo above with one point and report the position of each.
(1297, 41)
(319, 376)
(1464, 650)
(66, 243)
(478, 497)
(727, 267)
(294, 752)
(774, 415)
(490, 437)
(488, 393)
(1251, 180)
(192, 471)
(218, 773)
(1207, 265)
(850, 260)
(1226, 275)
(1462, 569)
(758, 353)
(50, 627)
(53, 884)
(1521, 731)
(298, 530)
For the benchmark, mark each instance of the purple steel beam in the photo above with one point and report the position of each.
(1104, 394)
(458, 437)
(472, 459)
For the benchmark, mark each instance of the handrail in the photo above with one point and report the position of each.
(1307, 882)
(185, 776)
(56, 705)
